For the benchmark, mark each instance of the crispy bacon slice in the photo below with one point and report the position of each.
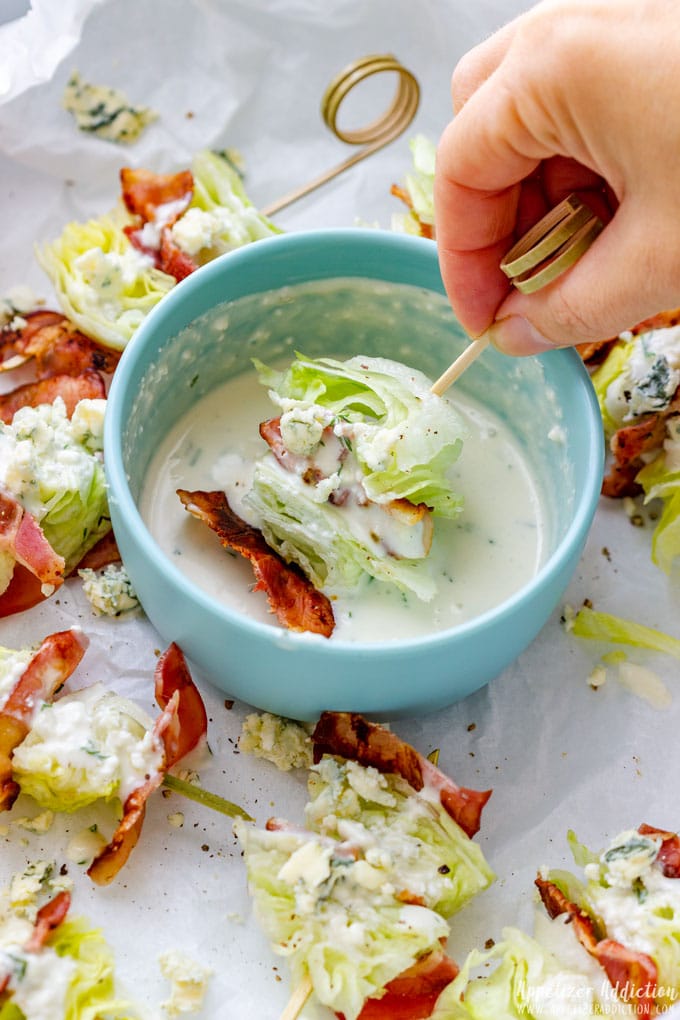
(25, 589)
(292, 598)
(24, 592)
(145, 191)
(179, 728)
(49, 917)
(22, 537)
(189, 724)
(632, 974)
(171, 258)
(159, 199)
(56, 345)
(413, 994)
(48, 670)
(349, 735)
(669, 853)
(595, 352)
(89, 385)
(104, 552)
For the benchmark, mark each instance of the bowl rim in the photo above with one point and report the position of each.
(118, 485)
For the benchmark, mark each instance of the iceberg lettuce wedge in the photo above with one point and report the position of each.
(84, 747)
(412, 839)
(528, 982)
(102, 282)
(333, 916)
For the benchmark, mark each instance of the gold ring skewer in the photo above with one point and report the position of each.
(552, 246)
(375, 135)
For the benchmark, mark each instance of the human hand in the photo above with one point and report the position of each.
(571, 96)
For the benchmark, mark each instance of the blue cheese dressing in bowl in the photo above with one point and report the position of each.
(476, 561)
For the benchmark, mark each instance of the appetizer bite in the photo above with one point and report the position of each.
(55, 968)
(637, 387)
(359, 465)
(53, 497)
(607, 944)
(93, 745)
(358, 902)
(110, 272)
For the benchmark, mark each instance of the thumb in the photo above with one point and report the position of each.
(631, 272)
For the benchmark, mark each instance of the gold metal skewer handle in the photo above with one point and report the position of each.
(375, 135)
(552, 246)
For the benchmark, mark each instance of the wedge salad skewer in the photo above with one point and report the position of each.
(358, 902)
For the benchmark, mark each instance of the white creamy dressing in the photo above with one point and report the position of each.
(12, 667)
(478, 560)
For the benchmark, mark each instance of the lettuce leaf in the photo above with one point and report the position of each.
(604, 627)
(605, 374)
(527, 983)
(419, 186)
(91, 993)
(333, 916)
(318, 538)
(420, 847)
(661, 480)
(102, 282)
(405, 439)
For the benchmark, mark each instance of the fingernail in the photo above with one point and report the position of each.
(516, 335)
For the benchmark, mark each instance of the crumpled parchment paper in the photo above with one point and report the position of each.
(250, 74)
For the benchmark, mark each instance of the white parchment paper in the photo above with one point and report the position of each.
(250, 74)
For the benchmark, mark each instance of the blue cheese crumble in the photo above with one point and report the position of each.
(105, 112)
(109, 591)
(282, 742)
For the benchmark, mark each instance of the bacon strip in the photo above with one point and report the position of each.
(49, 917)
(56, 345)
(595, 352)
(414, 993)
(25, 589)
(669, 853)
(159, 199)
(292, 597)
(24, 592)
(71, 389)
(144, 191)
(189, 724)
(349, 735)
(172, 260)
(22, 537)
(628, 971)
(179, 728)
(104, 552)
(48, 670)
(628, 444)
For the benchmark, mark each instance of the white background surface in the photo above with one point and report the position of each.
(557, 753)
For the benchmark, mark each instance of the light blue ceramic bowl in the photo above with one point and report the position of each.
(298, 675)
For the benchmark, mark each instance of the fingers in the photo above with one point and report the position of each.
(482, 158)
(478, 64)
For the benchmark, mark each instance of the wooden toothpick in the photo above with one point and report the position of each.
(298, 999)
(470, 354)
